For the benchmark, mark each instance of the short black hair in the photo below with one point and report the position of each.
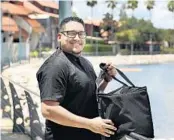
(68, 19)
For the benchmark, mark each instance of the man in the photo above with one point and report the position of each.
(67, 88)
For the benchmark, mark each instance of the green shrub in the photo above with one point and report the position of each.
(34, 54)
(89, 48)
(124, 52)
(94, 41)
(101, 48)
(104, 48)
(45, 49)
(167, 50)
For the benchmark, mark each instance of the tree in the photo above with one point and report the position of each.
(112, 4)
(170, 6)
(91, 3)
(142, 27)
(123, 15)
(132, 4)
(169, 36)
(109, 25)
(128, 35)
(149, 5)
(74, 14)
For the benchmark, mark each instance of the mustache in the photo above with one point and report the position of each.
(74, 41)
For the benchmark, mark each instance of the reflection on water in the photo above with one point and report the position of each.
(159, 79)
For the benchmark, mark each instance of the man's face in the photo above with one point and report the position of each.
(73, 37)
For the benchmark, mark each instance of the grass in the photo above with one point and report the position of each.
(165, 50)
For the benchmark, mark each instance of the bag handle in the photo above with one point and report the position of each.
(104, 68)
(119, 81)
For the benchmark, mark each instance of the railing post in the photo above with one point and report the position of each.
(18, 118)
(5, 102)
(35, 125)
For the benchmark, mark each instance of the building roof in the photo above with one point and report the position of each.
(37, 27)
(36, 9)
(94, 22)
(153, 43)
(8, 24)
(30, 7)
(50, 3)
(14, 9)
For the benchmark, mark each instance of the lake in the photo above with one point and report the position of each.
(159, 79)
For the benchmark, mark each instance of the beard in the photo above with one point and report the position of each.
(77, 47)
(75, 51)
(73, 46)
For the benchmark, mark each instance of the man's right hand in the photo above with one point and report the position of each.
(101, 126)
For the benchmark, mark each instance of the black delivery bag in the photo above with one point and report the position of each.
(128, 107)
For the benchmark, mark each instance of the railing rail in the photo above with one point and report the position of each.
(17, 115)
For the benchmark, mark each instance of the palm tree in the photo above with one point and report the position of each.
(112, 4)
(132, 4)
(149, 5)
(91, 3)
(170, 6)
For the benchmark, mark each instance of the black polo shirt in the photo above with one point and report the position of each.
(69, 80)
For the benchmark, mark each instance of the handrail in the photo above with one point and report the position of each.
(28, 90)
(35, 124)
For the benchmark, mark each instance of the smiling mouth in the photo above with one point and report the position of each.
(76, 43)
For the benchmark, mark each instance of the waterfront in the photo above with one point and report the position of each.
(159, 79)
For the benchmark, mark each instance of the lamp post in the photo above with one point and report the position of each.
(64, 9)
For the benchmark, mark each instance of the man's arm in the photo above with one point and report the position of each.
(103, 85)
(52, 111)
(111, 71)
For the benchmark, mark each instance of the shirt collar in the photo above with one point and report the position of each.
(72, 56)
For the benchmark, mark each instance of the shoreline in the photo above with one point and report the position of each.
(25, 74)
(132, 59)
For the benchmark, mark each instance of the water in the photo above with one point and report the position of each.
(159, 79)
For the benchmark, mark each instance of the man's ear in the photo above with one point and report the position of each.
(59, 37)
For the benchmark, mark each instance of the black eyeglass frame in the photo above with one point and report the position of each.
(66, 34)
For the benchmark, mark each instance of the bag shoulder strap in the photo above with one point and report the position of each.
(103, 66)
(124, 77)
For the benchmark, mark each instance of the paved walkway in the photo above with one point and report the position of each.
(26, 74)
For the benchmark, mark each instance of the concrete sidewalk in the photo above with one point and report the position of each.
(25, 74)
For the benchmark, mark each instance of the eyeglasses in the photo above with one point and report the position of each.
(72, 34)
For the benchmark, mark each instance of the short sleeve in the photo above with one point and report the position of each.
(52, 82)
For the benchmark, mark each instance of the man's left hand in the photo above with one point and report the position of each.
(111, 71)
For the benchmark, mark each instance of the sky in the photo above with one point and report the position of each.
(160, 16)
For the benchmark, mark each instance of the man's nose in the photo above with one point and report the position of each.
(77, 37)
